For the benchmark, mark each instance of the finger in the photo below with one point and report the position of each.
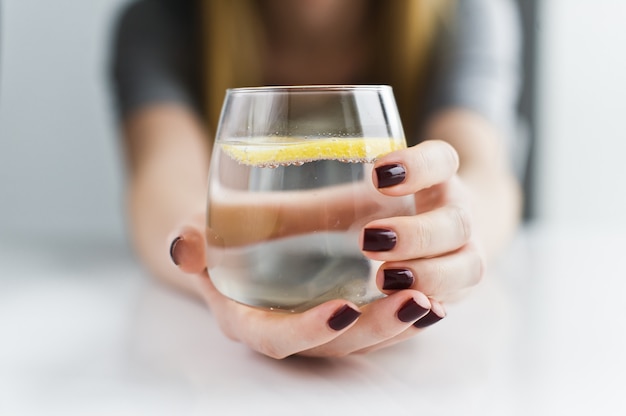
(436, 314)
(280, 214)
(452, 191)
(433, 233)
(432, 198)
(276, 334)
(437, 277)
(187, 250)
(382, 320)
(409, 170)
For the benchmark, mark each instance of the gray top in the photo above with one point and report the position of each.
(477, 66)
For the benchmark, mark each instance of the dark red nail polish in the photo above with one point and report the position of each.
(173, 253)
(390, 175)
(343, 317)
(411, 311)
(429, 319)
(378, 239)
(397, 279)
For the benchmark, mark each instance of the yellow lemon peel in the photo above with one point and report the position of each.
(297, 151)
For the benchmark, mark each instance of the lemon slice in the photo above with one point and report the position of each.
(294, 151)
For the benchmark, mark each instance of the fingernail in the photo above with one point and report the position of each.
(411, 311)
(429, 319)
(173, 253)
(397, 279)
(378, 239)
(343, 317)
(390, 175)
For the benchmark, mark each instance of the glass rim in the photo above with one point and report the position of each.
(311, 88)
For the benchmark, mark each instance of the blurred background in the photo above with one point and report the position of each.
(60, 168)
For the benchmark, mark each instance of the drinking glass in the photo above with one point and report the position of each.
(290, 190)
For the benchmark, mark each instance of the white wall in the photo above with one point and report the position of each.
(59, 166)
(581, 175)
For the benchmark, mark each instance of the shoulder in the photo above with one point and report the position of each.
(478, 61)
(158, 18)
(492, 23)
(153, 56)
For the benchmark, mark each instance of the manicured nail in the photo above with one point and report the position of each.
(397, 279)
(429, 319)
(173, 253)
(378, 239)
(411, 311)
(390, 175)
(343, 317)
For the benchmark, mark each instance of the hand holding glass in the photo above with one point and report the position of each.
(290, 190)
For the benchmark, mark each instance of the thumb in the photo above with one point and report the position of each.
(187, 249)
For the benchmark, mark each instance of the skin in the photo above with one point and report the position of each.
(468, 205)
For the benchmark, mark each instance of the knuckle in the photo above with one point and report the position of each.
(441, 275)
(423, 163)
(423, 235)
(462, 221)
(270, 349)
(380, 331)
(434, 276)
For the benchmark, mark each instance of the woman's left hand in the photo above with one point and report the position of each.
(434, 251)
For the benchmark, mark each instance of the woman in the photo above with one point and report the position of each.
(452, 65)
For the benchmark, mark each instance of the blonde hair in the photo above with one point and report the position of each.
(234, 44)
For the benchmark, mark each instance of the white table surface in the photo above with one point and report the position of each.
(84, 331)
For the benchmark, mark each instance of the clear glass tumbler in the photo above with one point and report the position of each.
(290, 190)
